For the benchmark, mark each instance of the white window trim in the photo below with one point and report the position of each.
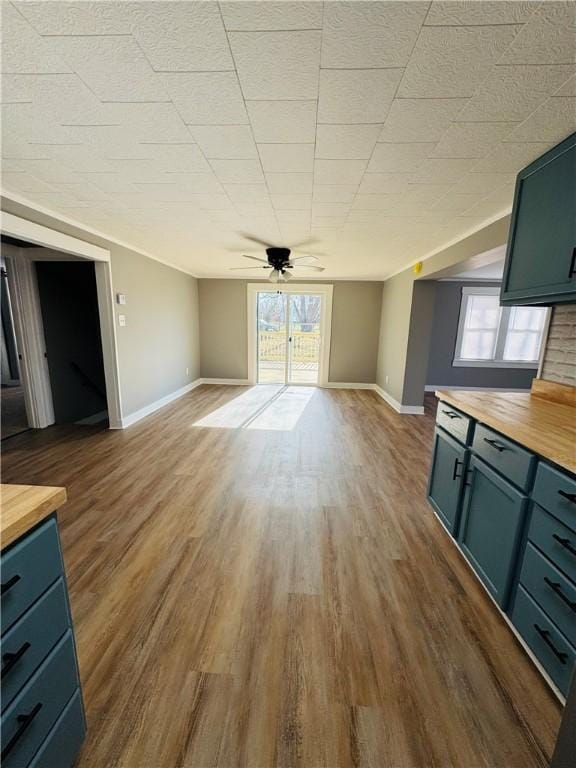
(459, 362)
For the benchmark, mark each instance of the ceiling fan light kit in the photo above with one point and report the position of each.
(279, 259)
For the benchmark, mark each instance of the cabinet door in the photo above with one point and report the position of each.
(492, 520)
(449, 460)
(541, 250)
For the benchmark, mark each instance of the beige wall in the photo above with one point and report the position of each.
(161, 336)
(224, 334)
(402, 377)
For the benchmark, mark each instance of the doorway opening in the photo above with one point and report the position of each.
(289, 334)
(14, 418)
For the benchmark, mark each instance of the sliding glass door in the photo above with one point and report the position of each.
(288, 337)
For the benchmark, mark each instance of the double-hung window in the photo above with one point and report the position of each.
(493, 336)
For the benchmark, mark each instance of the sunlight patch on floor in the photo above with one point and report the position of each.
(267, 407)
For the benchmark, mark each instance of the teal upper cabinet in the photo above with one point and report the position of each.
(541, 257)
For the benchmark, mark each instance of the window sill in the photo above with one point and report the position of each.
(493, 364)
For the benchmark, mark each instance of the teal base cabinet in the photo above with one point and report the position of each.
(449, 464)
(492, 522)
(42, 719)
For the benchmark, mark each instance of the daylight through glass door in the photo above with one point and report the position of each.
(289, 338)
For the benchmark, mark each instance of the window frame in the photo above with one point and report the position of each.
(501, 334)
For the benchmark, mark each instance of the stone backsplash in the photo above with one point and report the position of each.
(559, 362)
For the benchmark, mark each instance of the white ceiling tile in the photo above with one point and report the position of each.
(346, 142)
(47, 170)
(374, 183)
(370, 34)
(442, 171)
(247, 193)
(510, 158)
(277, 65)
(485, 183)
(212, 202)
(291, 202)
(200, 183)
(293, 217)
(74, 18)
(109, 141)
(422, 120)
(271, 15)
(140, 170)
(330, 209)
(453, 61)
(32, 124)
(329, 221)
(463, 140)
(182, 36)
(293, 158)
(514, 92)
(23, 49)
(399, 158)
(289, 183)
(383, 202)
(356, 95)
(453, 201)
(255, 209)
(334, 193)
(453, 12)
(568, 89)
(548, 38)
(25, 182)
(238, 171)
(552, 122)
(425, 193)
(277, 122)
(339, 171)
(479, 212)
(113, 67)
(204, 98)
(225, 141)
(179, 158)
(110, 182)
(151, 123)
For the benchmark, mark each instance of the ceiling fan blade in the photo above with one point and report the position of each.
(309, 266)
(254, 258)
(235, 269)
(299, 258)
(302, 243)
(308, 253)
(253, 239)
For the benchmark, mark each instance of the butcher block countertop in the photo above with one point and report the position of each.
(24, 506)
(543, 420)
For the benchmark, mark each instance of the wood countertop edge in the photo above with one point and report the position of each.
(24, 506)
(523, 434)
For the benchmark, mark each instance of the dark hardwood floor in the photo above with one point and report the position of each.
(276, 591)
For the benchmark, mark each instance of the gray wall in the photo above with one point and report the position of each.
(161, 338)
(559, 362)
(224, 332)
(443, 343)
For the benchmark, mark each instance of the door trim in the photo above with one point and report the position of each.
(318, 289)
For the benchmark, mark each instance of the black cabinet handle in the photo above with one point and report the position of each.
(25, 721)
(455, 474)
(7, 585)
(572, 270)
(545, 635)
(11, 659)
(564, 543)
(495, 444)
(557, 589)
(452, 414)
(569, 496)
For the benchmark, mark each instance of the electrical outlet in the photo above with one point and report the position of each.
(122, 320)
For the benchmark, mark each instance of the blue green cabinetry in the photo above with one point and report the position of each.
(541, 256)
(513, 516)
(43, 721)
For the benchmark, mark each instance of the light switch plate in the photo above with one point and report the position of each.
(121, 298)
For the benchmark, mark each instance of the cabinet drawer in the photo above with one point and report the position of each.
(555, 540)
(556, 492)
(30, 640)
(515, 463)
(30, 717)
(553, 592)
(28, 569)
(64, 741)
(455, 422)
(551, 648)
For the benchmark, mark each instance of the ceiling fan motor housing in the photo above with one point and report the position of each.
(278, 257)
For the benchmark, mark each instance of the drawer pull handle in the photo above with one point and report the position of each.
(570, 496)
(455, 474)
(495, 444)
(564, 543)
(545, 635)
(25, 721)
(7, 585)
(11, 659)
(557, 589)
(572, 270)
(452, 414)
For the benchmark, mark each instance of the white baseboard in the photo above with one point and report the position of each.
(132, 418)
(449, 387)
(413, 410)
(347, 385)
(230, 382)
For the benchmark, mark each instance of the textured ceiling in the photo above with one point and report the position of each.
(383, 129)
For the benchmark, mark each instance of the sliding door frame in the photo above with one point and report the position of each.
(316, 289)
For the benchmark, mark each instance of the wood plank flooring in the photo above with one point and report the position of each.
(278, 593)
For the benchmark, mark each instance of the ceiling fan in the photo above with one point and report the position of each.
(280, 260)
